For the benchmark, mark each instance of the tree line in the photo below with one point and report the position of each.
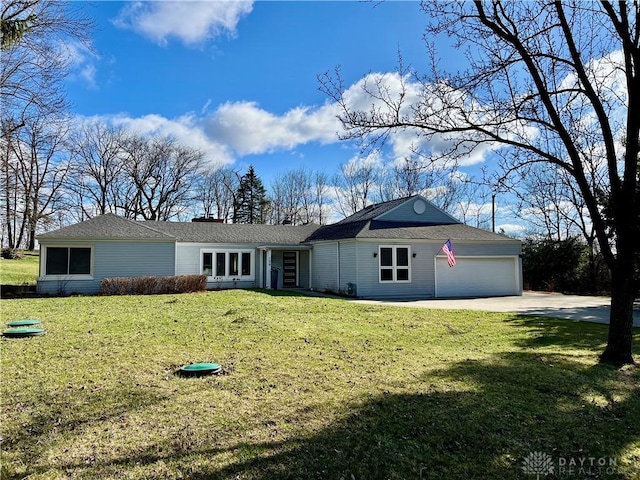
(55, 172)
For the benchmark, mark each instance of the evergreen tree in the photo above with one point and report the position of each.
(251, 204)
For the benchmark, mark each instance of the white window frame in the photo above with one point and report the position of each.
(394, 264)
(227, 265)
(82, 276)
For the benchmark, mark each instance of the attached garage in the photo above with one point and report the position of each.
(478, 277)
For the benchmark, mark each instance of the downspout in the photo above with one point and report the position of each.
(311, 268)
(175, 258)
(338, 264)
(41, 253)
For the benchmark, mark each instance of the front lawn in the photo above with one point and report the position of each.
(23, 271)
(312, 388)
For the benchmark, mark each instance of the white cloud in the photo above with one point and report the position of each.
(88, 75)
(248, 129)
(82, 63)
(381, 92)
(190, 22)
(372, 161)
(184, 129)
(237, 129)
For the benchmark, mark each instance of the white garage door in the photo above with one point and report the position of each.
(477, 277)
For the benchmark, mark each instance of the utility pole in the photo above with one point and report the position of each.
(493, 212)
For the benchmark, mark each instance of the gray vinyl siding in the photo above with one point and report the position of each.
(303, 269)
(325, 267)
(348, 265)
(112, 259)
(406, 213)
(422, 283)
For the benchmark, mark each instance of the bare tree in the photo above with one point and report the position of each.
(299, 196)
(549, 83)
(98, 167)
(35, 61)
(36, 57)
(161, 174)
(439, 182)
(320, 191)
(216, 190)
(286, 196)
(35, 168)
(355, 184)
(550, 202)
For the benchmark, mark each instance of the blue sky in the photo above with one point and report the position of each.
(239, 79)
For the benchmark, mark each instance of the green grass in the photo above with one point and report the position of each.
(19, 272)
(312, 388)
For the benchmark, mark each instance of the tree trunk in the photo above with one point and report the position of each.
(619, 343)
(32, 237)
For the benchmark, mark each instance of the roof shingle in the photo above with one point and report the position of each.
(363, 224)
(209, 232)
(107, 226)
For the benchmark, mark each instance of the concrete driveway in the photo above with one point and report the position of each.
(574, 307)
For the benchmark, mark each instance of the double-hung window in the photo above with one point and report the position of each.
(228, 264)
(68, 261)
(395, 266)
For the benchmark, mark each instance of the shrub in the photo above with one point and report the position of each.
(153, 285)
(12, 254)
(567, 266)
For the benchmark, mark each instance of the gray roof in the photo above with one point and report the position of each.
(210, 232)
(373, 211)
(454, 231)
(398, 230)
(108, 226)
(363, 224)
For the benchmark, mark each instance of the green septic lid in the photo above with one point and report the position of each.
(201, 368)
(24, 323)
(23, 332)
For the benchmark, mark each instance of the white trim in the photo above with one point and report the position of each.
(227, 252)
(394, 264)
(268, 270)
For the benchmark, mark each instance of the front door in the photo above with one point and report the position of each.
(290, 269)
